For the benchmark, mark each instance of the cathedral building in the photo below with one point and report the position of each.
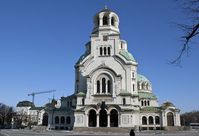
(109, 91)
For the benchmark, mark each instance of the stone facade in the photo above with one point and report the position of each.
(109, 92)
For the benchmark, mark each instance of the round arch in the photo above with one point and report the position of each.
(45, 119)
(144, 120)
(170, 119)
(97, 75)
(151, 120)
(103, 118)
(92, 118)
(114, 118)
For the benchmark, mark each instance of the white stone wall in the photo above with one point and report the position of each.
(122, 73)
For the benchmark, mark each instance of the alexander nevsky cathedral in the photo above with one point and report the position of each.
(109, 92)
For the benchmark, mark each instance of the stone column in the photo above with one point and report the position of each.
(154, 123)
(86, 120)
(101, 83)
(109, 21)
(108, 120)
(97, 120)
(100, 21)
(106, 92)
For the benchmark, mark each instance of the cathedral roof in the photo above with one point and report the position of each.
(81, 94)
(107, 10)
(142, 78)
(168, 104)
(128, 56)
(25, 104)
(146, 95)
(82, 57)
(36, 108)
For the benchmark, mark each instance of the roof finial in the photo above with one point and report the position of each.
(105, 7)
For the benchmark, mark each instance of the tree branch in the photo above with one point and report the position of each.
(187, 38)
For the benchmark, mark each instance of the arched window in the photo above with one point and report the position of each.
(98, 86)
(150, 120)
(92, 118)
(112, 21)
(133, 75)
(103, 85)
(101, 51)
(103, 118)
(147, 86)
(148, 103)
(109, 51)
(105, 51)
(142, 103)
(109, 86)
(105, 20)
(170, 119)
(133, 87)
(83, 101)
(143, 86)
(144, 120)
(56, 120)
(68, 120)
(113, 118)
(62, 119)
(157, 120)
(124, 101)
(45, 119)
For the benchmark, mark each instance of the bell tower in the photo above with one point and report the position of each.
(106, 21)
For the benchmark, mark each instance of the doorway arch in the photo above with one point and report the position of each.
(114, 118)
(92, 118)
(103, 118)
(170, 119)
(45, 119)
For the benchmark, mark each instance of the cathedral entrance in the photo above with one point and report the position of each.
(170, 119)
(103, 118)
(92, 118)
(114, 118)
(45, 119)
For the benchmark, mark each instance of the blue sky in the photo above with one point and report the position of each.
(40, 41)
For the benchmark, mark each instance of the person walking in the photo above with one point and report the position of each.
(132, 133)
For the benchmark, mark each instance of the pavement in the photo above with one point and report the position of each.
(16, 132)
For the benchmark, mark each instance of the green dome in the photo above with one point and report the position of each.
(142, 78)
(128, 56)
(168, 104)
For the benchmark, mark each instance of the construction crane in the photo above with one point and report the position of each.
(36, 93)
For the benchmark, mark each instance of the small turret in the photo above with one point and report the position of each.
(106, 21)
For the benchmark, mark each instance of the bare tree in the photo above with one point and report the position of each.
(22, 119)
(189, 117)
(6, 113)
(191, 29)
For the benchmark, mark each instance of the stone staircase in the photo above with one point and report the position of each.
(102, 129)
(39, 128)
(173, 128)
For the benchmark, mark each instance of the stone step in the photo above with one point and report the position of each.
(102, 129)
(39, 128)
